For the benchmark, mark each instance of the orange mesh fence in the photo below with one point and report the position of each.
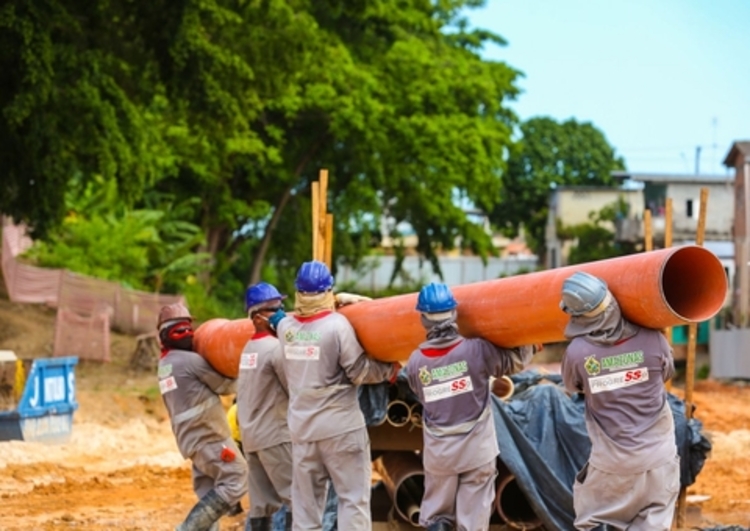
(85, 337)
(87, 306)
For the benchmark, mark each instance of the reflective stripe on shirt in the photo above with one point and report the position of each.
(196, 410)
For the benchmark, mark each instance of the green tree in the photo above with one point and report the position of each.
(549, 154)
(73, 104)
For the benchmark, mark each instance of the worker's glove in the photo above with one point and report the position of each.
(396, 369)
(344, 299)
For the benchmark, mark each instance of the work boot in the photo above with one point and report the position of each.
(262, 523)
(440, 526)
(205, 513)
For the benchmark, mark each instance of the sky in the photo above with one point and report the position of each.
(658, 77)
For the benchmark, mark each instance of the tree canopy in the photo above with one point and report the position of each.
(240, 105)
(548, 154)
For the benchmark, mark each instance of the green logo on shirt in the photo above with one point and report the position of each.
(424, 375)
(450, 371)
(292, 336)
(622, 361)
(165, 370)
(592, 366)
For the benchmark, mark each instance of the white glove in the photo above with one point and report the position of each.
(343, 299)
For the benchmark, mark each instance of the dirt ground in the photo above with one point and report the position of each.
(121, 468)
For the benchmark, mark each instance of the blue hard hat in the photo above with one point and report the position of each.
(582, 293)
(435, 298)
(260, 293)
(313, 277)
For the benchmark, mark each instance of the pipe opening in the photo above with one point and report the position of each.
(398, 413)
(408, 498)
(512, 506)
(694, 283)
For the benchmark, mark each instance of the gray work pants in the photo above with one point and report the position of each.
(345, 459)
(462, 500)
(229, 480)
(636, 502)
(270, 479)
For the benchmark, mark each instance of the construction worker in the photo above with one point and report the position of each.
(451, 375)
(324, 363)
(632, 477)
(190, 388)
(262, 403)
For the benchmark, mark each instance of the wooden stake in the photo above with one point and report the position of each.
(667, 245)
(648, 238)
(690, 362)
(315, 219)
(323, 205)
(329, 241)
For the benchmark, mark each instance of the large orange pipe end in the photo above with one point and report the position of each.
(656, 289)
(221, 342)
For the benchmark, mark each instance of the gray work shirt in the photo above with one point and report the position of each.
(627, 415)
(324, 363)
(453, 386)
(190, 387)
(262, 395)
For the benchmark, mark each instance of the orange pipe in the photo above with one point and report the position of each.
(221, 341)
(656, 289)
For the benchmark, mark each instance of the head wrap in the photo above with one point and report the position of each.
(603, 325)
(306, 304)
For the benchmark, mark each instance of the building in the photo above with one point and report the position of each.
(738, 158)
(685, 191)
(573, 205)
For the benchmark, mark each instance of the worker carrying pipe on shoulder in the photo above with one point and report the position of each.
(450, 375)
(262, 403)
(190, 388)
(324, 364)
(632, 478)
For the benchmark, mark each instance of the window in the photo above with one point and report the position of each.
(689, 208)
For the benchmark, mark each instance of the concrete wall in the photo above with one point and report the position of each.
(457, 270)
(719, 213)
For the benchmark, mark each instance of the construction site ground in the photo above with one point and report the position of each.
(121, 468)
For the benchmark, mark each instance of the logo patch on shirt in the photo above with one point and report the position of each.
(449, 371)
(248, 360)
(618, 380)
(448, 389)
(301, 352)
(424, 375)
(623, 361)
(168, 384)
(592, 366)
(165, 370)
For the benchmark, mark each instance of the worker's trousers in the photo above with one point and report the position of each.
(463, 501)
(228, 479)
(270, 479)
(636, 502)
(345, 459)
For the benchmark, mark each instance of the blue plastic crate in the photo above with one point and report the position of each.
(45, 409)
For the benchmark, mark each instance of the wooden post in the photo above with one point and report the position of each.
(315, 220)
(667, 245)
(323, 206)
(690, 362)
(648, 238)
(329, 241)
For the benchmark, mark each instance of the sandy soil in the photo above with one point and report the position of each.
(121, 468)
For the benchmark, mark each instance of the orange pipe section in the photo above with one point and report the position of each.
(656, 289)
(221, 341)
